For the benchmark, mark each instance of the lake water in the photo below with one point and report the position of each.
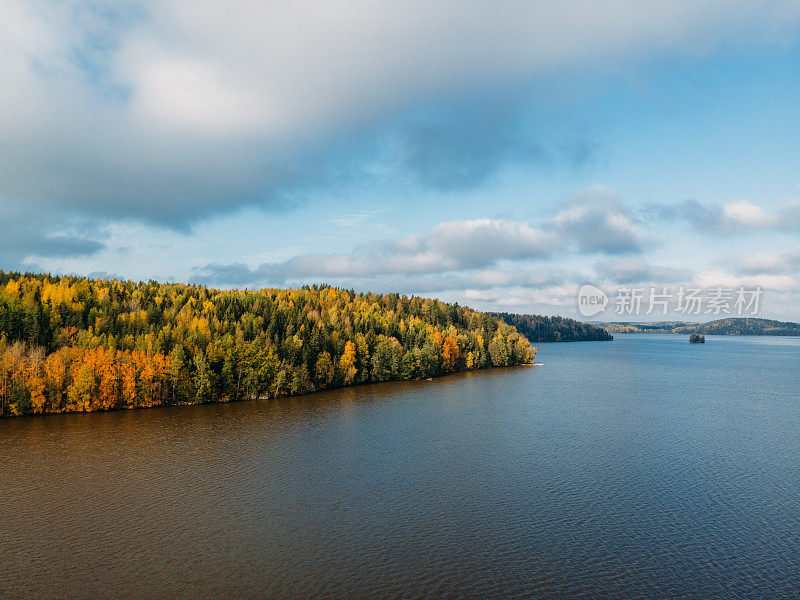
(645, 467)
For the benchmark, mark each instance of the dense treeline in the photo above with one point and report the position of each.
(743, 326)
(70, 344)
(728, 326)
(538, 328)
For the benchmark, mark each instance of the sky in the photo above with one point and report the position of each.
(497, 154)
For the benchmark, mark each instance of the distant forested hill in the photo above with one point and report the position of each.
(538, 328)
(730, 326)
(70, 344)
(743, 326)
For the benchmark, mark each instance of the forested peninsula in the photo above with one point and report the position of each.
(538, 328)
(73, 344)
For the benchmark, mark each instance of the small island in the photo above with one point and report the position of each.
(696, 338)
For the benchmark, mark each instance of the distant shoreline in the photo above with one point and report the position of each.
(730, 326)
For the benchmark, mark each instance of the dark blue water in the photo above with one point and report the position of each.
(645, 467)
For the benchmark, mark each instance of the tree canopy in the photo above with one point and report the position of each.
(538, 328)
(73, 344)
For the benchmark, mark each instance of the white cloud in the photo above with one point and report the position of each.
(169, 111)
(489, 239)
(744, 214)
(776, 263)
(740, 216)
(194, 96)
(599, 221)
(322, 61)
(713, 278)
(450, 246)
(627, 270)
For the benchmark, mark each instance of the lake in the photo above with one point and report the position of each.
(645, 467)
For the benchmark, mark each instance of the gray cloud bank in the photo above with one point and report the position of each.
(170, 111)
(777, 263)
(739, 216)
(599, 221)
(32, 231)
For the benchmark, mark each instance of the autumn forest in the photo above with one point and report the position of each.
(71, 344)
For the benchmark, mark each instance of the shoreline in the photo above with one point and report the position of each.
(268, 398)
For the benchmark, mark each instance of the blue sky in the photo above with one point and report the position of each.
(497, 154)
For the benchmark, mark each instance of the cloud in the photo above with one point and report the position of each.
(553, 299)
(29, 232)
(458, 147)
(190, 94)
(628, 270)
(713, 278)
(779, 263)
(599, 221)
(484, 241)
(744, 214)
(469, 282)
(466, 254)
(450, 246)
(172, 111)
(740, 216)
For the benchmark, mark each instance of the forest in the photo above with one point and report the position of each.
(728, 326)
(538, 328)
(73, 344)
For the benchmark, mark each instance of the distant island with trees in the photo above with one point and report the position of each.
(729, 326)
(75, 344)
(538, 328)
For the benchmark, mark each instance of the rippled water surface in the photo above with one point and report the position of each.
(645, 467)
